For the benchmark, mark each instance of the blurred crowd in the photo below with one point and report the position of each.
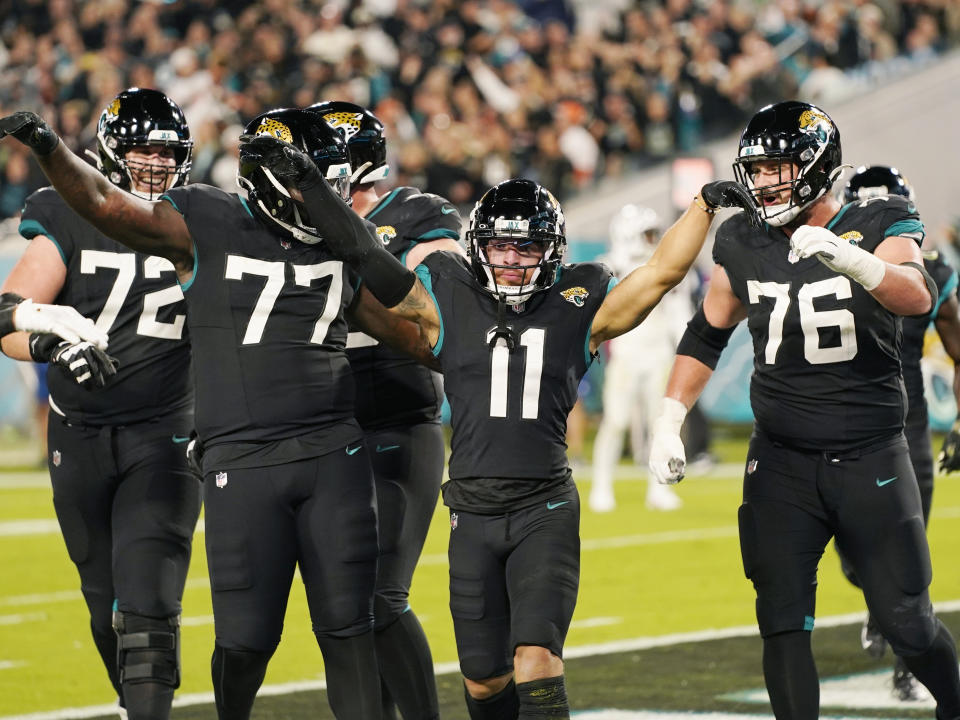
(562, 91)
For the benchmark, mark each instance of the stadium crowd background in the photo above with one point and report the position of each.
(471, 92)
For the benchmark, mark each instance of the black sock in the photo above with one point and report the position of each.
(237, 675)
(353, 683)
(505, 705)
(791, 676)
(937, 670)
(543, 698)
(406, 667)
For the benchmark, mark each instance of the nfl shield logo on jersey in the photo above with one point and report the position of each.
(221, 479)
(752, 466)
(453, 521)
(56, 457)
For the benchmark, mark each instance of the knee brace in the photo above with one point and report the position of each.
(148, 649)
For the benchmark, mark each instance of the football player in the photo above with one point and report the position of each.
(126, 501)
(398, 406)
(821, 285)
(867, 183)
(514, 329)
(287, 478)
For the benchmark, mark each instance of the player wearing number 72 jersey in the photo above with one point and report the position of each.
(125, 498)
(821, 286)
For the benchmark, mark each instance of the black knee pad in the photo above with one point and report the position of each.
(908, 556)
(387, 609)
(148, 649)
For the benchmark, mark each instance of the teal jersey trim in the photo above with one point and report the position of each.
(906, 227)
(836, 218)
(196, 268)
(31, 228)
(383, 203)
(438, 233)
(246, 207)
(949, 287)
(170, 200)
(808, 622)
(423, 272)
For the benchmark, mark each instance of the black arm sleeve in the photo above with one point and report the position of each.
(8, 304)
(354, 240)
(931, 286)
(703, 341)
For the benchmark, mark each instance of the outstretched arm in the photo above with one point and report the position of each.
(632, 300)
(408, 337)
(348, 236)
(155, 228)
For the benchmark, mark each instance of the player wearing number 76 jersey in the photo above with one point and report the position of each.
(821, 286)
(288, 482)
(514, 329)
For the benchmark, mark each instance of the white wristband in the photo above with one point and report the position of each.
(672, 414)
(867, 269)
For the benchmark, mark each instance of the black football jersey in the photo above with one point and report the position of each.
(266, 321)
(509, 407)
(915, 328)
(393, 389)
(132, 296)
(826, 354)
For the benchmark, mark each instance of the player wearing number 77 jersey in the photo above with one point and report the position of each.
(287, 479)
(514, 329)
(821, 286)
(125, 498)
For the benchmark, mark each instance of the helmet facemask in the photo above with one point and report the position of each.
(804, 143)
(537, 275)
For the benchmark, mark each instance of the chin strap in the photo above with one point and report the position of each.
(503, 330)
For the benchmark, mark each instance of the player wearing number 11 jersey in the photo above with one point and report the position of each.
(821, 286)
(514, 329)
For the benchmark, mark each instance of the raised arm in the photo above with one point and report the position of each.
(632, 300)
(348, 236)
(155, 228)
(408, 337)
(699, 351)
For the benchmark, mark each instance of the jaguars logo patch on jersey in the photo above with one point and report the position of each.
(346, 122)
(270, 126)
(853, 236)
(386, 233)
(576, 295)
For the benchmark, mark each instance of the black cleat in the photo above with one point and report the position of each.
(871, 640)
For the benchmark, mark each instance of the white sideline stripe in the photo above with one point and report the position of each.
(22, 618)
(20, 528)
(453, 667)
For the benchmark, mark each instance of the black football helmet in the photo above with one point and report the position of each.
(364, 135)
(325, 146)
(871, 181)
(141, 117)
(524, 211)
(790, 132)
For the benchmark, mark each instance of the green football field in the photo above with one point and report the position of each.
(664, 620)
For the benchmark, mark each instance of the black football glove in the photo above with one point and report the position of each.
(87, 364)
(727, 193)
(290, 166)
(8, 306)
(30, 129)
(949, 458)
(195, 455)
